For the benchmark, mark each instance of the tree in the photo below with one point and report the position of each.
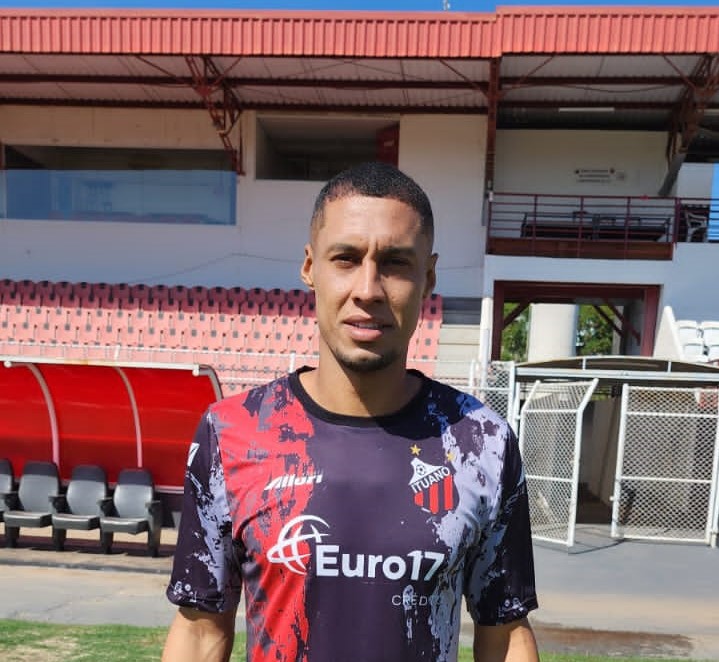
(516, 336)
(594, 333)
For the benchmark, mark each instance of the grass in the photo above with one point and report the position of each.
(25, 641)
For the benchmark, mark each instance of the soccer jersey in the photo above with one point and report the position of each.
(354, 538)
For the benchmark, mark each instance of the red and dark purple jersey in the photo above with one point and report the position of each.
(354, 538)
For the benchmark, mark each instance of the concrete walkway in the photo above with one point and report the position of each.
(630, 598)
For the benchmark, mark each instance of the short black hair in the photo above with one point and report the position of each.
(376, 180)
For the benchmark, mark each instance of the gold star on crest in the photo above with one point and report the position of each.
(450, 456)
(416, 450)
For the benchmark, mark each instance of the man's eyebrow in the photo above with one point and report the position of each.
(389, 251)
(343, 248)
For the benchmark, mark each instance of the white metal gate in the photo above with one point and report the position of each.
(667, 465)
(550, 435)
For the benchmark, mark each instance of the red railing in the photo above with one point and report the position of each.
(599, 226)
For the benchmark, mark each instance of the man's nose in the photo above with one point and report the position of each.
(368, 284)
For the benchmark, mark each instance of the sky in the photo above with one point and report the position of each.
(367, 5)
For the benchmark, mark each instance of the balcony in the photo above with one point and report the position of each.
(599, 227)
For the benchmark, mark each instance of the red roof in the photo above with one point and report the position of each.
(552, 30)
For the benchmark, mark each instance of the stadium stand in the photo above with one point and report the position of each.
(247, 335)
(687, 340)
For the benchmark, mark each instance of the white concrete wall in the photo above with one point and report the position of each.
(445, 154)
(107, 127)
(544, 161)
(695, 180)
(691, 288)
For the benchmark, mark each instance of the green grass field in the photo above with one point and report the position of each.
(26, 641)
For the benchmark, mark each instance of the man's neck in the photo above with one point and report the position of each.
(350, 393)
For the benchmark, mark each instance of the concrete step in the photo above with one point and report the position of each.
(459, 334)
(457, 352)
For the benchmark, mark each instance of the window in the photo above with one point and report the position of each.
(317, 148)
(128, 185)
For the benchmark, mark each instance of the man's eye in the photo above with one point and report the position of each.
(344, 259)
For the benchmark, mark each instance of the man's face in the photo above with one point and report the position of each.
(371, 267)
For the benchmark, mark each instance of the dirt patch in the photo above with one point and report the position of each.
(557, 639)
(54, 649)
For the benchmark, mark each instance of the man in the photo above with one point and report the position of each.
(356, 502)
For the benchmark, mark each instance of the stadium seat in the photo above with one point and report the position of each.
(308, 308)
(270, 308)
(217, 294)
(236, 295)
(710, 332)
(7, 482)
(30, 505)
(256, 341)
(276, 296)
(82, 290)
(256, 295)
(694, 351)
(79, 507)
(250, 307)
(132, 509)
(296, 296)
(688, 331)
(11, 298)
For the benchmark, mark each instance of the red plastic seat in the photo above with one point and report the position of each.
(257, 294)
(296, 296)
(276, 296)
(236, 294)
(251, 308)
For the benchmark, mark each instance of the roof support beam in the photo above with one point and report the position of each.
(688, 113)
(208, 81)
(507, 84)
(492, 106)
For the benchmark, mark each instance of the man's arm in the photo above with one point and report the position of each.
(511, 642)
(197, 635)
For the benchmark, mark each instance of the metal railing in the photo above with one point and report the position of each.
(582, 218)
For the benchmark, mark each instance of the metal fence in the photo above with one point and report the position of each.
(667, 465)
(494, 385)
(550, 433)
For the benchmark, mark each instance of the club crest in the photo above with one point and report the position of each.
(433, 487)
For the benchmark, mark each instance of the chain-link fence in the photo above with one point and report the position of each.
(667, 465)
(495, 386)
(550, 438)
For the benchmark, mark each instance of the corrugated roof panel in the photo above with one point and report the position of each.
(609, 30)
(363, 34)
(380, 34)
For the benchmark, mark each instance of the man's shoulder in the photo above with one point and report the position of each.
(250, 400)
(466, 405)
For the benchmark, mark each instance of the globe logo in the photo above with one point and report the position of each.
(292, 543)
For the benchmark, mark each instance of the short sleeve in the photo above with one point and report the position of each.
(205, 573)
(499, 575)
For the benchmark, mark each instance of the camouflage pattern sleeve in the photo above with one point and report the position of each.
(499, 575)
(205, 572)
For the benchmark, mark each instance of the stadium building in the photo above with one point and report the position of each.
(157, 173)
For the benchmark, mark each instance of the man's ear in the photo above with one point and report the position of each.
(431, 277)
(306, 269)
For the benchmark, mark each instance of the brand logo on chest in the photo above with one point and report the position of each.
(293, 480)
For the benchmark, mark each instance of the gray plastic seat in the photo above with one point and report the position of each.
(132, 509)
(79, 508)
(7, 482)
(30, 505)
